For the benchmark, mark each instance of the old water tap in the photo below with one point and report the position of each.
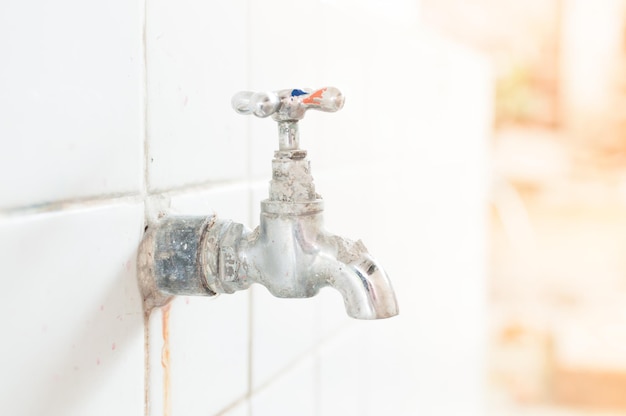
(290, 252)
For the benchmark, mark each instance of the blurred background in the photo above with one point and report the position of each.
(557, 276)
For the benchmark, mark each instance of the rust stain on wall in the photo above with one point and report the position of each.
(166, 360)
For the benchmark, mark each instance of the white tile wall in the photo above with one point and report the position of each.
(401, 167)
(283, 331)
(293, 393)
(229, 201)
(71, 100)
(196, 58)
(209, 353)
(343, 371)
(71, 313)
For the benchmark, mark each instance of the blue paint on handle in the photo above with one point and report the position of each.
(296, 93)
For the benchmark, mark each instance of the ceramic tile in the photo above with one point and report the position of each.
(303, 51)
(71, 104)
(159, 377)
(330, 314)
(196, 62)
(71, 313)
(263, 143)
(415, 368)
(440, 279)
(227, 202)
(346, 138)
(283, 330)
(352, 202)
(291, 394)
(343, 374)
(396, 377)
(209, 353)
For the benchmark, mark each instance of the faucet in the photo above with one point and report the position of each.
(290, 252)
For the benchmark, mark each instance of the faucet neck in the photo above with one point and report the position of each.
(292, 181)
(288, 135)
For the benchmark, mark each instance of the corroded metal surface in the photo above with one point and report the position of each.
(169, 259)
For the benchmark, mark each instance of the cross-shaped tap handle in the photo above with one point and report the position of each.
(287, 105)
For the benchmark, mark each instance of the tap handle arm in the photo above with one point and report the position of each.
(287, 105)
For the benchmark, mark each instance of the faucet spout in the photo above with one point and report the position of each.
(364, 285)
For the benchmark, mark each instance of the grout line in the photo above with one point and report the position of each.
(232, 405)
(250, 386)
(197, 186)
(146, 144)
(317, 379)
(116, 197)
(71, 204)
(251, 220)
(144, 191)
(249, 155)
(285, 370)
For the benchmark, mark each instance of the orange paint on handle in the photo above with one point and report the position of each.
(165, 360)
(314, 97)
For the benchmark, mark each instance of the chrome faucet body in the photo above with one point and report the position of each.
(290, 252)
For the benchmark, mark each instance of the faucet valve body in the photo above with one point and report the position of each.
(290, 252)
